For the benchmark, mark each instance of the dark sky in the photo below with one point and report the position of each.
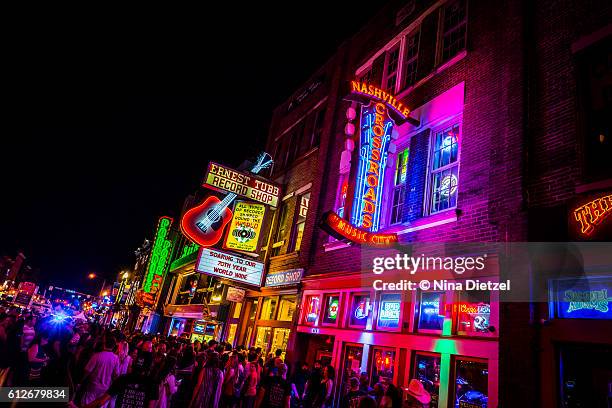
(117, 112)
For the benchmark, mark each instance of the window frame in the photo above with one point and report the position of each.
(404, 62)
(296, 217)
(279, 241)
(273, 317)
(280, 299)
(442, 32)
(413, 367)
(448, 300)
(397, 46)
(428, 196)
(493, 313)
(453, 372)
(350, 311)
(371, 355)
(401, 315)
(326, 296)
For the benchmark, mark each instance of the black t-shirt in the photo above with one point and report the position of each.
(134, 391)
(277, 390)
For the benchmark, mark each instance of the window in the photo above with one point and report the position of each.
(431, 309)
(237, 310)
(411, 56)
(262, 337)
(389, 311)
(427, 371)
(281, 230)
(444, 169)
(341, 195)
(471, 383)
(280, 340)
(319, 118)
(383, 366)
(453, 29)
(268, 308)
(360, 310)
(300, 222)
(581, 298)
(391, 65)
(311, 313)
(595, 102)
(286, 308)
(231, 335)
(474, 312)
(399, 186)
(330, 314)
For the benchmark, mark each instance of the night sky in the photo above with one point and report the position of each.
(117, 113)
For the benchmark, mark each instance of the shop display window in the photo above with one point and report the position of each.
(382, 366)
(237, 310)
(286, 308)
(312, 308)
(427, 371)
(471, 383)
(268, 308)
(280, 340)
(474, 312)
(360, 310)
(332, 305)
(581, 298)
(352, 362)
(231, 335)
(262, 337)
(389, 311)
(431, 310)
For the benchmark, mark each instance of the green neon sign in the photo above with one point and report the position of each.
(160, 254)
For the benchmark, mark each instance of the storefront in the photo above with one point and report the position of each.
(447, 339)
(272, 313)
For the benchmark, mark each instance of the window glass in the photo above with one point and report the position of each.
(444, 169)
(427, 371)
(330, 315)
(454, 33)
(391, 64)
(582, 298)
(411, 58)
(286, 308)
(383, 366)
(389, 311)
(401, 167)
(360, 309)
(431, 309)
(318, 127)
(312, 309)
(262, 337)
(253, 309)
(352, 362)
(303, 203)
(281, 228)
(474, 311)
(237, 310)
(231, 335)
(268, 307)
(280, 340)
(471, 384)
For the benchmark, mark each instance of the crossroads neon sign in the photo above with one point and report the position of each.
(593, 213)
(376, 127)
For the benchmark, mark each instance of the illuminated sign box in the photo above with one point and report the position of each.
(590, 217)
(342, 229)
(582, 298)
(230, 266)
(221, 178)
(160, 254)
(245, 227)
(289, 277)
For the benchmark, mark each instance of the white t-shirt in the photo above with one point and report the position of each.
(103, 366)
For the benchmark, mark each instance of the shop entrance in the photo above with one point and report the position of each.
(586, 375)
(312, 347)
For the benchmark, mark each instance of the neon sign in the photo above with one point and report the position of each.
(376, 127)
(389, 312)
(341, 228)
(160, 254)
(373, 92)
(587, 300)
(332, 309)
(593, 213)
(313, 310)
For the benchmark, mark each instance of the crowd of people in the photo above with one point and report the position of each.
(105, 367)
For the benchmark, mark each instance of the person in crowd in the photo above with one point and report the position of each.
(230, 376)
(378, 392)
(324, 398)
(298, 384)
(167, 383)
(367, 402)
(416, 395)
(249, 391)
(37, 358)
(311, 389)
(125, 361)
(354, 394)
(274, 391)
(100, 371)
(392, 397)
(364, 383)
(207, 390)
(136, 389)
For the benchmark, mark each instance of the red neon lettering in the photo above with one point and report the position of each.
(592, 213)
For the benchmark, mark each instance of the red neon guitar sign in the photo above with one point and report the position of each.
(204, 224)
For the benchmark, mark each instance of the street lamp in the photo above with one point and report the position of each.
(92, 276)
(126, 275)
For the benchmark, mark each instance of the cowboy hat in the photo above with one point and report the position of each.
(416, 389)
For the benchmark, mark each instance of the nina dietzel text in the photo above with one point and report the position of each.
(441, 284)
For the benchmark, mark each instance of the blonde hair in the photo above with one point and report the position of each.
(122, 350)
